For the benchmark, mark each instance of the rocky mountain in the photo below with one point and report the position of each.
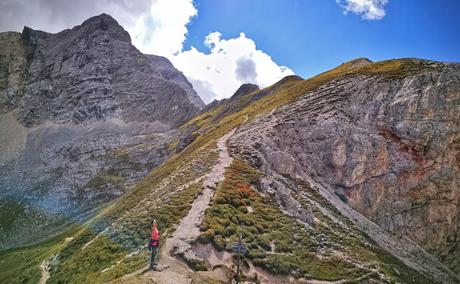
(351, 176)
(83, 116)
(384, 139)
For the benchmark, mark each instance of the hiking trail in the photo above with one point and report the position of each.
(170, 269)
(45, 273)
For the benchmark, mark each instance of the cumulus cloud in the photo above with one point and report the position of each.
(368, 9)
(162, 31)
(158, 27)
(204, 88)
(229, 63)
(246, 70)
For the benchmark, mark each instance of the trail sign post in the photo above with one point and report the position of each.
(239, 249)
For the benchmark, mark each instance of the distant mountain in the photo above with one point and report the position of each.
(83, 115)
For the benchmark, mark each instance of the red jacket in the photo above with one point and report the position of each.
(155, 233)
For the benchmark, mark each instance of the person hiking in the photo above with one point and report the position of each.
(154, 243)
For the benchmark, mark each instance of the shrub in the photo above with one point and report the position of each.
(207, 236)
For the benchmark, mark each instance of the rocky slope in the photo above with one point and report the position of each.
(84, 115)
(386, 144)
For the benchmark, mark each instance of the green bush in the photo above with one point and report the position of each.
(277, 264)
(207, 236)
(196, 264)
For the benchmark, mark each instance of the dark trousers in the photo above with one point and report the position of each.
(153, 255)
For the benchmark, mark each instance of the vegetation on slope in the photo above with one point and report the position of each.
(22, 265)
(100, 258)
(121, 229)
(282, 245)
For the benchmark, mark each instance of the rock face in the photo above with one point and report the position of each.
(13, 65)
(84, 115)
(93, 72)
(387, 144)
(164, 68)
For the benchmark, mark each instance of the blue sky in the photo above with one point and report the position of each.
(221, 44)
(311, 36)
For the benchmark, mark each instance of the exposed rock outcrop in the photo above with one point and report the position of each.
(13, 66)
(358, 62)
(351, 176)
(388, 145)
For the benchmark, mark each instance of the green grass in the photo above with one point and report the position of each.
(297, 247)
(127, 218)
(17, 215)
(199, 279)
(10, 211)
(22, 265)
(106, 257)
(86, 264)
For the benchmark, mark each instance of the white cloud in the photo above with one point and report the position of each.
(368, 9)
(162, 31)
(215, 74)
(229, 63)
(158, 27)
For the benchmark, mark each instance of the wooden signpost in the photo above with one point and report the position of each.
(239, 249)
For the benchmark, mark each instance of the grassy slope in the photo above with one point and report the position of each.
(127, 218)
(298, 250)
(120, 249)
(107, 256)
(22, 265)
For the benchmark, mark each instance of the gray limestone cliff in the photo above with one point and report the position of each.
(83, 115)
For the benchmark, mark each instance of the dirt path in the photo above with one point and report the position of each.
(188, 228)
(44, 267)
(170, 269)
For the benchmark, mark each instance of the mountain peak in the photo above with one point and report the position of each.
(358, 62)
(101, 23)
(102, 18)
(105, 22)
(245, 89)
